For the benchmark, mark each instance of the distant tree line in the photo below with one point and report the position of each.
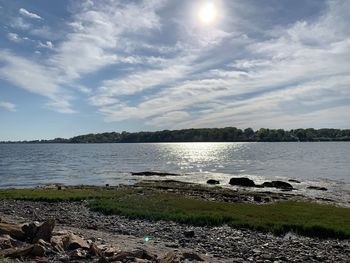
(228, 134)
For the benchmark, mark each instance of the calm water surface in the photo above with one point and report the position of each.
(324, 163)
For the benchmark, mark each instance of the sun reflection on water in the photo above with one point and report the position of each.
(198, 155)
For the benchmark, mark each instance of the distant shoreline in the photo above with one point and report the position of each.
(228, 134)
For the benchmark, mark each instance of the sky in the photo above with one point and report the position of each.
(73, 67)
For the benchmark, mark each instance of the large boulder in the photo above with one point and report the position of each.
(242, 181)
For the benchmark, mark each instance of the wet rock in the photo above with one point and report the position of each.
(267, 184)
(150, 173)
(212, 181)
(279, 185)
(294, 181)
(317, 188)
(242, 181)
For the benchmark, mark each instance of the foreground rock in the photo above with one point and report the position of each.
(66, 246)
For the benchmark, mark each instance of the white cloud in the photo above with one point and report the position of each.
(14, 37)
(19, 23)
(302, 69)
(7, 106)
(36, 79)
(168, 119)
(26, 13)
(47, 45)
(97, 37)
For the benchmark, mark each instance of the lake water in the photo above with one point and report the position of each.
(319, 163)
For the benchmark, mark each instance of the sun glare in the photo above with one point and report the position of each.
(207, 13)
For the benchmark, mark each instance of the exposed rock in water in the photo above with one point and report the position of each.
(267, 184)
(294, 181)
(242, 181)
(150, 173)
(317, 188)
(279, 185)
(212, 181)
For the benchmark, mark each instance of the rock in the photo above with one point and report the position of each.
(6, 242)
(192, 256)
(95, 251)
(170, 257)
(267, 184)
(16, 252)
(110, 251)
(294, 181)
(257, 198)
(72, 242)
(189, 233)
(44, 231)
(38, 251)
(140, 254)
(149, 173)
(242, 181)
(78, 254)
(279, 185)
(317, 188)
(212, 181)
(13, 230)
(57, 243)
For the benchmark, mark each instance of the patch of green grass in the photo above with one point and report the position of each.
(55, 195)
(305, 218)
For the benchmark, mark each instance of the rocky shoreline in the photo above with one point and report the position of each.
(183, 242)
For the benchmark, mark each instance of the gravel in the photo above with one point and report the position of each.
(216, 244)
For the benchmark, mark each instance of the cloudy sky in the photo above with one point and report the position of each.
(75, 67)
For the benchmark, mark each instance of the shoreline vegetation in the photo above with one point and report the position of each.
(198, 205)
(228, 134)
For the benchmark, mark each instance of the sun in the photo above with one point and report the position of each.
(207, 13)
